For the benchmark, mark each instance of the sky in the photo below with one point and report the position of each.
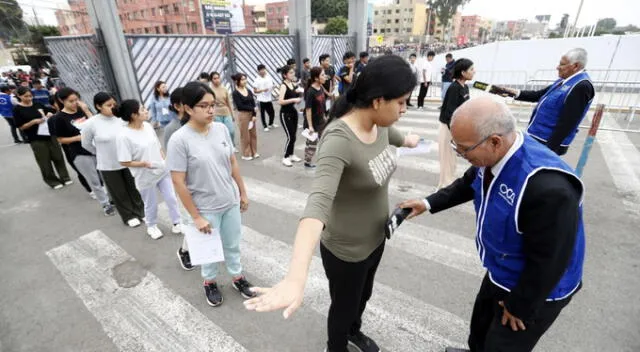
(624, 11)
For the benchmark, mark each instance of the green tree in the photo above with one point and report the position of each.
(445, 9)
(11, 25)
(39, 32)
(323, 10)
(606, 24)
(336, 25)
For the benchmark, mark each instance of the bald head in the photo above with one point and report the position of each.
(481, 117)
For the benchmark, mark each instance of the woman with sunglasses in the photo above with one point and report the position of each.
(456, 95)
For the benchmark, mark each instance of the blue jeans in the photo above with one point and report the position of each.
(229, 223)
(228, 121)
(443, 91)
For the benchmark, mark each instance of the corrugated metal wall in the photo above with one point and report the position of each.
(81, 65)
(334, 45)
(175, 59)
(273, 51)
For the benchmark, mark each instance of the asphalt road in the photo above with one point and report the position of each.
(75, 280)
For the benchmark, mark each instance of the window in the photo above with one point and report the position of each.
(139, 30)
(146, 31)
(166, 29)
(160, 12)
(278, 10)
(153, 12)
(375, 30)
(397, 2)
(408, 30)
(176, 8)
(396, 30)
(388, 21)
(375, 12)
(179, 27)
(398, 11)
(192, 5)
(279, 20)
(157, 29)
(397, 20)
(271, 10)
(194, 27)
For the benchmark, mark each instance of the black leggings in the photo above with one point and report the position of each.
(267, 108)
(14, 129)
(289, 121)
(350, 286)
(424, 87)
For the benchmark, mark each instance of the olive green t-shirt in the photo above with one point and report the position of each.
(349, 193)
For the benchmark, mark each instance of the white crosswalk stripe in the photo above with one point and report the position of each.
(139, 313)
(458, 253)
(397, 321)
(420, 131)
(418, 120)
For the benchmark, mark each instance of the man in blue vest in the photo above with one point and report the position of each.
(529, 229)
(562, 105)
(40, 93)
(6, 111)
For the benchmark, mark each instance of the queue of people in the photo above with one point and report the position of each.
(529, 229)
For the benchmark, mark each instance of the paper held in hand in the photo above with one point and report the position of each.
(423, 147)
(43, 128)
(204, 248)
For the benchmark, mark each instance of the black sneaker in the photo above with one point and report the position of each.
(309, 165)
(185, 259)
(244, 287)
(109, 210)
(362, 343)
(454, 349)
(214, 297)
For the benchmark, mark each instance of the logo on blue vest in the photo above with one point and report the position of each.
(507, 193)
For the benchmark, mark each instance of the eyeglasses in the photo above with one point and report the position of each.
(206, 106)
(463, 154)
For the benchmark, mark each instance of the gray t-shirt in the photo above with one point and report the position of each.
(350, 189)
(170, 129)
(206, 159)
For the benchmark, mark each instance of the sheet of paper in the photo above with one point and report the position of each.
(165, 111)
(251, 124)
(423, 147)
(203, 248)
(43, 128)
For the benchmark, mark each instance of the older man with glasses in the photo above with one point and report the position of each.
(562, 105)
(529, 229)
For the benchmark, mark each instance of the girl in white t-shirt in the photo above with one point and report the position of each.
(139, 149)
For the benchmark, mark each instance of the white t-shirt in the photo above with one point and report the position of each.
(99, 137)
(263, 83)
(422, 64)
(142, 145)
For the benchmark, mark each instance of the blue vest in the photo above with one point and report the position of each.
(546, 113)
(498, 237)
(6, 108)
(41, 96)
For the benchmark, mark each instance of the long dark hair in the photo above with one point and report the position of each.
(388, 77)
(101, 98)
(175, 98)
(62, 95)
(460, 66)
(126, 109)
(314, 73)
(284, 70)
(237, 78)
(192, 94)
(157, 93)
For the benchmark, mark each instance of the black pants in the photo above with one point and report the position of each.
(267, 108)
(13, 128)
(488, 334)
(350, 286)
(122, 189)
(424, 87)
(409, 98)
(48, 154)
(289, 121)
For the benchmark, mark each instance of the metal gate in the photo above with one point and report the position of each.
(334, 45)
(249, 51)
(82, 64)
(175, 59)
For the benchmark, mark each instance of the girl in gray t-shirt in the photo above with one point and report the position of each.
(207, 179)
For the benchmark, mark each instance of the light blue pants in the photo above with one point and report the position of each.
(228, 121)
(229, 223)
(443, 91)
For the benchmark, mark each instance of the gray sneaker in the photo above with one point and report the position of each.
(109, 210)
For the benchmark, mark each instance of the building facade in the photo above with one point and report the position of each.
(277, 16)
(401, 19)
(136, 17)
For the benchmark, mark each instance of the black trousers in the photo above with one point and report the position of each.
(424, 87)
(48, 154)
(409, 99)
(124, 194)
(289, 121)
(350, 286)
(13, 128)
(488, 334)
(267, 108)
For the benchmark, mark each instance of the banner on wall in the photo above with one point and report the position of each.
(223, 16)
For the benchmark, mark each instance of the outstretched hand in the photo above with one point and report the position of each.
(287, 295)
(417, 207)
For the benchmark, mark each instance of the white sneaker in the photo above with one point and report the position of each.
(92, 195)
(275, 125)
(57, 186)
(256, 156)
(68, 183)
(287, 162)
(299, 126)
(176, 229)
(247, 158)
(295, 158)
(133, 222)
(154, 232)
(266, 129)
(235, 150)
